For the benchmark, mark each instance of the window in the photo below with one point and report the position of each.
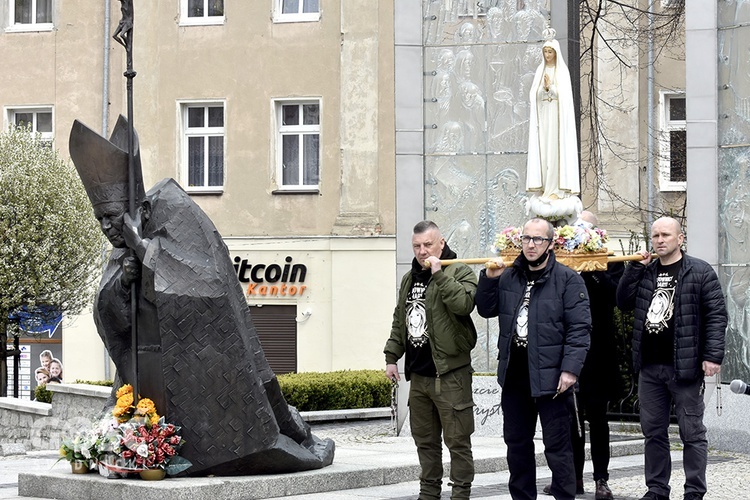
(673, 147)
(298, 145)
(37, 120)
(201, 12)
(294, 11)
(30, 15)
(203, 146)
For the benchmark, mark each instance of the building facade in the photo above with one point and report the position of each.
(316, 133)
(275, 116)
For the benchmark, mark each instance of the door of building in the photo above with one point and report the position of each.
(277, 330)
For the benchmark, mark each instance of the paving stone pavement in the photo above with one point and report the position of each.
(726, 472)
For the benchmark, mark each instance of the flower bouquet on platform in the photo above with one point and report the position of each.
(133, 439)
(81, 451)
(137, 439)
(579, 246)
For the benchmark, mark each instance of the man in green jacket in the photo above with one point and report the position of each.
(433, 327)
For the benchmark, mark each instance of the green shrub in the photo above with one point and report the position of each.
(42, 395)
(103, 383)
(339, 390)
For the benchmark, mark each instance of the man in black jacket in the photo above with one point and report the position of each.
(543, 311)
(678, 338)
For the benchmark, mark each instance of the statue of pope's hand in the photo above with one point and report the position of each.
(131, 231)
(131, 270)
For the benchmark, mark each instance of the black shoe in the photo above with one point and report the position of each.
(651, 495)
(602, 490)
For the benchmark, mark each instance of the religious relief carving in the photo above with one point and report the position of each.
(735, 227)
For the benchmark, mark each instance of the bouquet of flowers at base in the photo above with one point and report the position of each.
(137, 438)
(147, 446)
(82, 447)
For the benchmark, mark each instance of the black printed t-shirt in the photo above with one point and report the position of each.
(657, 341)
(418, 352)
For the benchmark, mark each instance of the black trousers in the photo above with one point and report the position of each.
(595, 412)
(520, 413)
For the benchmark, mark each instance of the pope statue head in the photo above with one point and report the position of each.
(103, 167)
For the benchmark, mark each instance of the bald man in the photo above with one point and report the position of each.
(678, 338)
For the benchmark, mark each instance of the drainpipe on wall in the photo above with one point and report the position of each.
(105, 124)
(650, 120)
(105, 71)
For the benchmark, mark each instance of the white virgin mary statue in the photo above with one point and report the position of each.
(552, 172)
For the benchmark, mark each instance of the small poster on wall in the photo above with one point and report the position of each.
(40, 345)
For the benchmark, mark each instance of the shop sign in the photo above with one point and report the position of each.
(271, 280)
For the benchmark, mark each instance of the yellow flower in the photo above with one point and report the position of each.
(155, 419)
(125, 389)
(125, 400)
(146, 406)
(63, 452)
(120, 411)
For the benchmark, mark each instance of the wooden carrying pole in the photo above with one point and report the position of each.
(508, 259)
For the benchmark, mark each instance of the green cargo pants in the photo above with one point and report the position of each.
(438, 407)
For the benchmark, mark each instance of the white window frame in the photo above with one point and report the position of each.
(666, 126)
(206, 20)
(47, 138)
(282, 130)
(206, 131)
(13, 26)
(299, 17)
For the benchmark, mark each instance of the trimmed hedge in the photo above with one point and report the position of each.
(311, 391)
(103, 383)
(339, 390)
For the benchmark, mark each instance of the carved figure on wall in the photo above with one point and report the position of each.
(471, 114)
(500, 23)
(468, 34)
(503, 119)
(552, 172)
(529, 21)
(464, 66)
(451, 138)
(508, 201)
(199, 356)
(443, 83)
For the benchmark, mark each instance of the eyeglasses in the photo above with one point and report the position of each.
(538, 240)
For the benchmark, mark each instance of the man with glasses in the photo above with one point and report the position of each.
(543, 311)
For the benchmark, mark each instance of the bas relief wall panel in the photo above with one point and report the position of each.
(734, 181)
(479, 62)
